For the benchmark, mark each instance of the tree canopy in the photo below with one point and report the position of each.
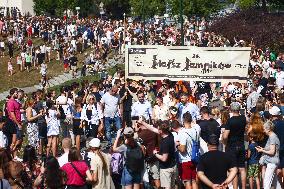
(116, 8)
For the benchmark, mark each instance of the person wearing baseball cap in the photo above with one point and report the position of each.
(128, 132)
(233, 138)
(133, 156)
(278, 122)
(99, 165)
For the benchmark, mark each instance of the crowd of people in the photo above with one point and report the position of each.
(32, 42)
(118, 132)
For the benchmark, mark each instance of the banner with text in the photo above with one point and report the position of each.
(187, 63)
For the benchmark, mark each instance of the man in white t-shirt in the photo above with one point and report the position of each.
(142, 107)
(66, 145)
(67, 106)
(279, 78)
(190, 133)
(111, 107)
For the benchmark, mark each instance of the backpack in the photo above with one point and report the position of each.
(195, 151)
(134, 161)
(62, 114)
(116, 163)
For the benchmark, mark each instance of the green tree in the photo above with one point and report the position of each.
(151, 7)
(196, 7)
(244, 4)
(45, 6)
(58, 7)
(65, 4)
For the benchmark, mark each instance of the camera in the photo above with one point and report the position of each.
(135, 118)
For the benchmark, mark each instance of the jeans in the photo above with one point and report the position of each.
(270, 177)
(108, 122)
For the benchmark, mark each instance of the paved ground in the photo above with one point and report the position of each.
(61, 79)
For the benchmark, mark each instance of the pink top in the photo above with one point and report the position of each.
(73, 178)
(14, 106)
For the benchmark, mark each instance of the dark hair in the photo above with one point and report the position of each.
(164, 126)
(204, 110)
(53, 174)
(140, 92)
(5, 158)
(175, 124)
(13, 90)
(187, 118)
(74, 155)
(30, 157)
(253, 135)
(183, 94)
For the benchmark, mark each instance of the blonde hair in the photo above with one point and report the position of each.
(66, 143)
(215, 112)
(225, 115)
(268, 125)
(91, 96)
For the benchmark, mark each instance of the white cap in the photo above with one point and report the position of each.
(275, 111)
(95, 143)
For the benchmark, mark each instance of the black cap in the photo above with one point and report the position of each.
(213, 139)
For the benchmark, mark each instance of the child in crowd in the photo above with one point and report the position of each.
(253, 165)
(53, 125)
(43, 72)
(10, 67)
(19, 62)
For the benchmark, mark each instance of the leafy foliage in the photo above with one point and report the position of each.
(58, 7)
(196, 7)
(263, 29)
(151, 7)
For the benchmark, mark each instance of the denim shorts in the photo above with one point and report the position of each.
(128, 178)
(20, 134)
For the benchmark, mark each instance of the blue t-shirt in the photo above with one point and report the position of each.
(254, 155)
(282, 110)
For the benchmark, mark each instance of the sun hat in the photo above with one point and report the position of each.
(275, 111)
(95, 143)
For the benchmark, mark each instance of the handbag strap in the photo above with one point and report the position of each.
(77, 171)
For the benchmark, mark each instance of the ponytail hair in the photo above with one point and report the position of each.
(105, 166)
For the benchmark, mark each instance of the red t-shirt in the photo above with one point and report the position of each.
(30, 42)
(73, 178)
(14, 106)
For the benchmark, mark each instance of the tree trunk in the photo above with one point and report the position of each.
(263, 5)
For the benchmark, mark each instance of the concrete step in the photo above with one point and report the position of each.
(63, 77)
(53, 82)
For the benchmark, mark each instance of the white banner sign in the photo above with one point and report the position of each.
(187, 63)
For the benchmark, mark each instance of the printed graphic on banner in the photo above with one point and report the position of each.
(187, 63)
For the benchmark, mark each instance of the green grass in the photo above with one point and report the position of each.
(90, 78)
(27, 79)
